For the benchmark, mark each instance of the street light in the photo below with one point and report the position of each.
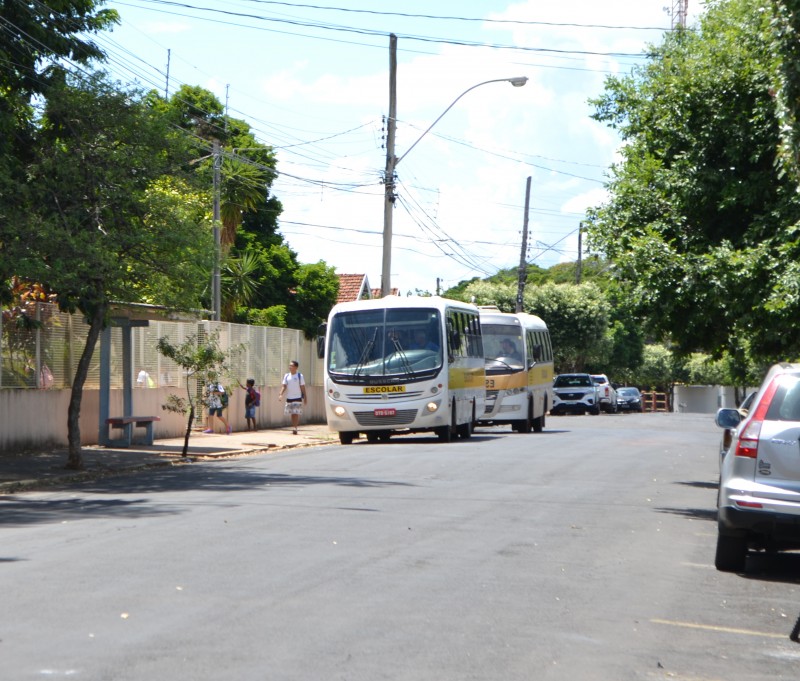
(392, 162)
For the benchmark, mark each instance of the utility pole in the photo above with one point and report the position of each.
(166, 86)
(216, 293)
(580, 254)
(388, 176)
(523, 263)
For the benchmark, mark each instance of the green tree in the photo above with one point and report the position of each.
(660, 369)
(700, 224)
(578, 320)
(108, 222)
(316, 289)
(34, 37)
(785, 43)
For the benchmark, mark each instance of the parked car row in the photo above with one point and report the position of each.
(590, 394)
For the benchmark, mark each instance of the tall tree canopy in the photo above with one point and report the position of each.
(701, 223)
(109, 214)
(260, 271)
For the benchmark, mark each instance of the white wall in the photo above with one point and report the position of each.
(31, 419)
(703, 399)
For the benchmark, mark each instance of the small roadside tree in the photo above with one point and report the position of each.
(201, 359)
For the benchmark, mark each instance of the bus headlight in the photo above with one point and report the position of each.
(432, 407)
(340, 411)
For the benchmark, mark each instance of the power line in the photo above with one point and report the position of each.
(372, 32)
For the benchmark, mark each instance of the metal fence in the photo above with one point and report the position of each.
(40, 348)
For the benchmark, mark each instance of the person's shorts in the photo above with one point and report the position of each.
(215, 411)
(250, 412)
(294, 406)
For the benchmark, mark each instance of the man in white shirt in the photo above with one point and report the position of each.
(294, 387)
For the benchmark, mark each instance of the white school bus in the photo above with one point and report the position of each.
(519, 369)
(397, 364)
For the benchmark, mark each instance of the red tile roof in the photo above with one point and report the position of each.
(376, 292)
(353, 287)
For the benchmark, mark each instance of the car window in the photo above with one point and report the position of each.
(785, 405)
(572, 381)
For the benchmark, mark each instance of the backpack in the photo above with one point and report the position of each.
(256, 398)
(223, 397)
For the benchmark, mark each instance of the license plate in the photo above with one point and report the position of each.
(385, 412)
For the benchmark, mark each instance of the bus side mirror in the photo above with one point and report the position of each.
(321, 332)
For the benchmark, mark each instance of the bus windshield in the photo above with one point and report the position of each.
(392, 342)
(503, 347)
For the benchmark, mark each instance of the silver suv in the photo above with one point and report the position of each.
(575, 394)
(758, 506)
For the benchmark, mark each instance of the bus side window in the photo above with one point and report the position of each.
(452, 338)
(474, 340)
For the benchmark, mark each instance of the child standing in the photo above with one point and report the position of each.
(216, 399)
(250, 402)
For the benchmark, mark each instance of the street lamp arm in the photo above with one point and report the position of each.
(516, 82)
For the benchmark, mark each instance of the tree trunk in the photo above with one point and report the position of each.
(188, 431)
(96, 323)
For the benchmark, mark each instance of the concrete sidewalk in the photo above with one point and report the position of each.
(38, 470)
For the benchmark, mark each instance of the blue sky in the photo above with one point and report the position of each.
(312, 79)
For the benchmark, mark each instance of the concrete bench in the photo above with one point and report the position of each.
(127, 424)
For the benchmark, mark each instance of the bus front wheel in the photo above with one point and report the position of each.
(448, 433)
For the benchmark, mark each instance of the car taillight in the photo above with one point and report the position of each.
(748, 440)
(747, 445)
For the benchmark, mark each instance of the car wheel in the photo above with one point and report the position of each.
(346, 437)
(731, 553)
(595, 411)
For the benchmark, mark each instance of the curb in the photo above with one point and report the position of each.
(71, 477)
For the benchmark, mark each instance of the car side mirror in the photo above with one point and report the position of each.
(728, 418)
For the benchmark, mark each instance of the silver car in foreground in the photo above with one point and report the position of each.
(758, 506)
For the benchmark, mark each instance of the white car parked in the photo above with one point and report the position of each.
(607, 394)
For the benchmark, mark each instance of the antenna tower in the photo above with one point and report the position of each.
(678, 13)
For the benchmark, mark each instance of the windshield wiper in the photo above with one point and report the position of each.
(398, 348)
(362, 360)
(500, 361)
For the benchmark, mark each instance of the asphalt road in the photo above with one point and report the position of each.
(582, 553)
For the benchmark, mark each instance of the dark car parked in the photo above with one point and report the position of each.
(629, 399)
